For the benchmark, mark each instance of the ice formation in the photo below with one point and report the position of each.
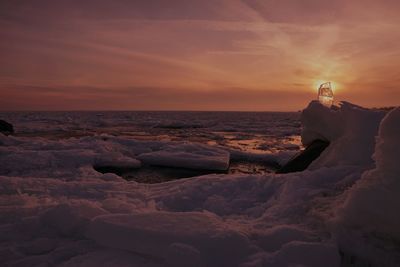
(350, 129)
(57, 210)
(373, 203)
(191, 156)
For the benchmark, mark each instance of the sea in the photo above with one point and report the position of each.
(250, 132)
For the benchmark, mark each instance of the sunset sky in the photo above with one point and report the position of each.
(196, 55)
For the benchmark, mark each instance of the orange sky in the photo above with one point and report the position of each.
(196, 55)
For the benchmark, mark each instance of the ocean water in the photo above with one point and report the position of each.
(251, 132)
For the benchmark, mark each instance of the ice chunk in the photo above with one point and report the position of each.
(373, 202)
(155, 233)
(190, 156)
(350, 129)
(117, 160)
(325, 94)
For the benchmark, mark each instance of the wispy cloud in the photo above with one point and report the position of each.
(201, 46)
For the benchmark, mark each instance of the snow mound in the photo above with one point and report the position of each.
(350, 129)
(373, 203)
(158, 234)
(190, 156)
(109, 258)
(56, 209)
(298, 253)
(70, 218)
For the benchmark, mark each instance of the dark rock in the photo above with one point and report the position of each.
(301, 161)
(6, 128)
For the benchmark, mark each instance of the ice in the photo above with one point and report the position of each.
(372, 204)
(298, 253)
(55, 208)
(350, 129)
(39, 246)
(157, 233)
(65, 158)
(109, 257)
(70, 218)
(190, 156)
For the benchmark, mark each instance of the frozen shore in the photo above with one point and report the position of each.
(56, 209)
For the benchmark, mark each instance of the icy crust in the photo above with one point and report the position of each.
(55, 209)
(350, 129)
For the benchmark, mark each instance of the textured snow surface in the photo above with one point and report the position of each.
(203, 237)
(55, 209)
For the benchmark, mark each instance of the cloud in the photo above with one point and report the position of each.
(197, 46)
(146, 98)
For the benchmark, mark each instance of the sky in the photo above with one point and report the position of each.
(245, 55)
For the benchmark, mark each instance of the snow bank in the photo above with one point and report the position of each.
(70, 218)
(297, 253)
(56, 209)
(373, 203)
(109, 258)
(214, 220)
(190, 156)
(350, 129)
(192, 235)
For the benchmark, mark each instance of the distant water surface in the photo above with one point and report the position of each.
(253, 132)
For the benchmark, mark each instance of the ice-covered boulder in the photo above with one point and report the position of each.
(350, 129)
(188, 155)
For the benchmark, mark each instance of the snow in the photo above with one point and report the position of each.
(350, 129)
(73, 157)
(372, 204)
(190, 156)
(109, 257)
(55, 209)
(297, 253)
(160, 233)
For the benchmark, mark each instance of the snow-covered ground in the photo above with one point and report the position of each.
(56, 209)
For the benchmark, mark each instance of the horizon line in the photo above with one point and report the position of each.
(147, 110)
